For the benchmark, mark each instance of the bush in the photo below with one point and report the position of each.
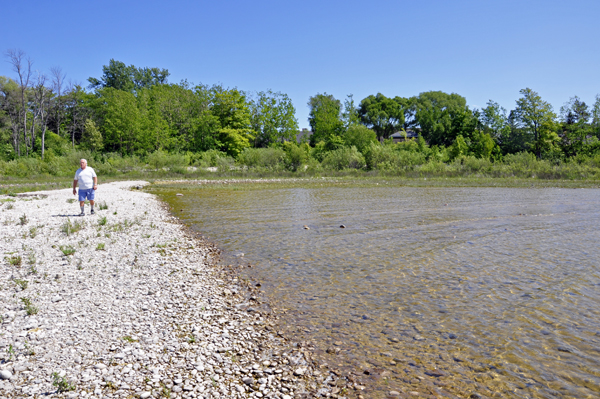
(360, 137)
(161, 159)
(395, 156)
(344, 158)
(272, 158)
(212, 158)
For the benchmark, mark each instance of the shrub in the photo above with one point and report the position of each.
(161, 159)
(272, 158)
(344, 158)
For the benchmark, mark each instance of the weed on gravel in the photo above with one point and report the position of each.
(67, 250)
(100, 246)
(69, 227)
(15, 260)
(23, 220)
(30, 309)
(61, 383)
(21, 283)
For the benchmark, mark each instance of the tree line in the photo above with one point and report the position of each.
(136, 111)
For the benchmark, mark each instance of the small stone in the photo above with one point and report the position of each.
(248, 380)
(56, 298)
(188, 388)
(394, 393)
(305, 227)
(342, 226)
(145, 395)
(299, 371)
(179, 195)
(435, 373)
(419, 338)
(5, 375)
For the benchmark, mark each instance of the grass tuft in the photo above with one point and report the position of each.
(29, 307)
(67, 250)
(69, 227)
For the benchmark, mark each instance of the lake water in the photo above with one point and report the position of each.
(440, 291)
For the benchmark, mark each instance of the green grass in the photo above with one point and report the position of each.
(61, 383)
(102, 221)
(100, 246)
(67, 250)
(23, 220)
(69, 227)
(21, 283)
(15, 260)
(30, 309)
(102, 206)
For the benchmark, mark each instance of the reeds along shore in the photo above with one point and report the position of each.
(127, 303)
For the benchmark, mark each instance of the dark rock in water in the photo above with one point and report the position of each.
(452, 336)
(336, 325)
(435, 373)
(365, 317)
(565, 349)
(305, 227)
(475, 396)
(342, 227)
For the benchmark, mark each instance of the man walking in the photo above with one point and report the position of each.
(88, 183)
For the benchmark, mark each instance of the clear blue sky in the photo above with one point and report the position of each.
(479, 49)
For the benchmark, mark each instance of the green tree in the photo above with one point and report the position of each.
(596, 117)
(92, 136)
(360, 137)
(273, 118)
(536, 117)
(435, 113)
(384, 115)
(350, 115)
(128, 78)
(575, 115)
(120, 120)
(232, 112)
(324, 117)
(494, 118)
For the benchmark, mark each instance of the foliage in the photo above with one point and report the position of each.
(118, 76)
(384, 115)
(273, 118)
(272, 158)
(344, 158)
(324, 117)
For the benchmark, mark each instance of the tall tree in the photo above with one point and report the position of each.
(42, 96)
(384, 115)
(22, 67)
(128, 78)
(58, 83)
(435, 112)
(536, 117)
(120, 120)
(575, 115)
(495, 121)
(325, 117)
(273, 118)
(596, 117)
(232, 111)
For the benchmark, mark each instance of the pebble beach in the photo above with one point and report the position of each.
(129, 303)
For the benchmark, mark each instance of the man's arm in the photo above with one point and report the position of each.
(74, 187)
(95, 183)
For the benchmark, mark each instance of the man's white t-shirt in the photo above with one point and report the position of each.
(85, 178)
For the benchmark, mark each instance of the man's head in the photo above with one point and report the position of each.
(83, 163)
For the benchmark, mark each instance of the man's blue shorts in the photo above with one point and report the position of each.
(87, 194)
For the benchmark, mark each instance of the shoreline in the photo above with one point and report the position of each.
(133, 305)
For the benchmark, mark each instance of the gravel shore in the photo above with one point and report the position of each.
(128, 303)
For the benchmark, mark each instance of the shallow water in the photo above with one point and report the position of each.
(450, 291)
